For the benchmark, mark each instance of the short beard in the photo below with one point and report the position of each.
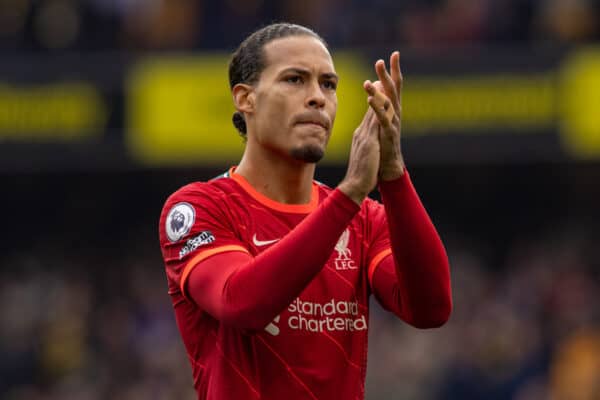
(308, 154)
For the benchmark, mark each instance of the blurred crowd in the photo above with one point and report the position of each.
(90, 322)
(529, 330)
(73, 25)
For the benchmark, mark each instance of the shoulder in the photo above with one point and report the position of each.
(201, 193)
(197, 198)
(198, 201)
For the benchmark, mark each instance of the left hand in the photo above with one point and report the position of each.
(391, 164)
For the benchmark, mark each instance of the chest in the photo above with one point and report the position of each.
(343, 275)
(331, 312)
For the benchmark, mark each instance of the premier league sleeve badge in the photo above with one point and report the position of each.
(179, 221)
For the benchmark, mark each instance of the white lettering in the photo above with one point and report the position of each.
(338, 324)
(317, 309)
(293, 306)
(328, 316)
(329, 307)
(360, 324)
(306, 308)
(342, 307)
(344, 265)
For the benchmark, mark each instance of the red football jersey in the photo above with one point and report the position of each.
(316, 348)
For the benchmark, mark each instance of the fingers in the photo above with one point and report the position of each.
(384, 103)
(389, 85)
(396, 72)
(380, 112)
(380, 104)
(366, 118)
(370, 119)
(363, 128)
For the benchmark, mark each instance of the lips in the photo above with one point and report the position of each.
(315, 120)
(312, 123)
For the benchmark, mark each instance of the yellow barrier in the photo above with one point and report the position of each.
(580, 103)
(58, 111)
(179, 109)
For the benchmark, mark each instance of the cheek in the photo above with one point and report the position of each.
(275, 109)
(272, 118)
(332, 109)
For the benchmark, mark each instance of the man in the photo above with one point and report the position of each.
(270, 272)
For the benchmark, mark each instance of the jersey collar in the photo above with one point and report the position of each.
(275, 205)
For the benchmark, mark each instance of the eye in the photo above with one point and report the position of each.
(294, 79)
(330, 85)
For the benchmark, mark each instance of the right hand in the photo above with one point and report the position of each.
(363, 164)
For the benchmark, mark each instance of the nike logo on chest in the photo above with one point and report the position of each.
(260, 243)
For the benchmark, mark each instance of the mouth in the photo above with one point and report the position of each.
(314, 121)
(313, 124)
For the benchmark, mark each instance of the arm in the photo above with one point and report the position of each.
(414, 283)
(248, 292)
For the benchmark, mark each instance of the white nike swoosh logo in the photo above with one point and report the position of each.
(262, 242)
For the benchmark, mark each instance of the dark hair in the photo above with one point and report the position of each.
(247, 62)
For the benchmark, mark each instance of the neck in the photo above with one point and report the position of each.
(278, 178)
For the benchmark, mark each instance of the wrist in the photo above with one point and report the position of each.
(393, 172)
(352, 192)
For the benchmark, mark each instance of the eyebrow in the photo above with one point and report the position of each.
(305, 72)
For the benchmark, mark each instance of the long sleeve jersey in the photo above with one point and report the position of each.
(272, 300)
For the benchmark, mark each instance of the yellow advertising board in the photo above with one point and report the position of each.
(580, 103)
(179, 108)
(47, 112)
(179, 111)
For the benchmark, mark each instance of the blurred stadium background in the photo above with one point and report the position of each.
(108, 106)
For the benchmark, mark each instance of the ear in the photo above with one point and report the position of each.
(243, 97)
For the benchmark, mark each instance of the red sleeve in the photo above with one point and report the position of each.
(415, 282)
(194, 225)
(249, 292)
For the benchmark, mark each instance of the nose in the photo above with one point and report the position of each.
(315, 97)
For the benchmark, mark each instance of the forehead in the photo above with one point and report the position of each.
(297, 51)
